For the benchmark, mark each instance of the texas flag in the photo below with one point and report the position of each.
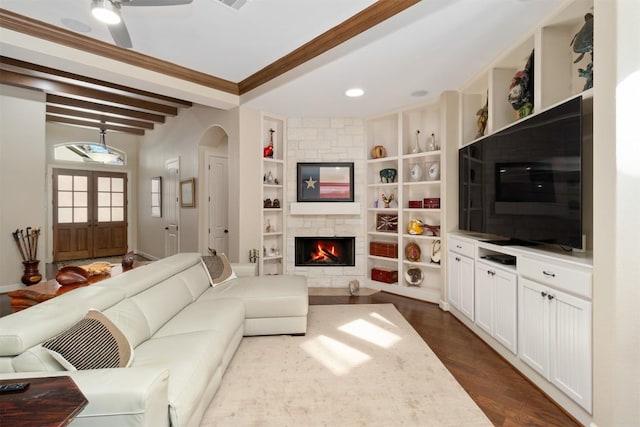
(322, 182)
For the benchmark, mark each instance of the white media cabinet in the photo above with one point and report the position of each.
(531, 305)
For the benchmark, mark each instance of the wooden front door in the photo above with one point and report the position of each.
(89, 214)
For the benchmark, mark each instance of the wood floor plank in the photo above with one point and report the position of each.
(505, 396)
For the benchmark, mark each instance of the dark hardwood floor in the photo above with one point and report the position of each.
(504, 395)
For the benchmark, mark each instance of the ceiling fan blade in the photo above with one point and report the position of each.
(120, 35)
(155, 2)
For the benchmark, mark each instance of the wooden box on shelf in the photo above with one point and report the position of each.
(432, 203)
(384, 249)
(386, 276)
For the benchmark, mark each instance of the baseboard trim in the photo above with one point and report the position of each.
(146, 255)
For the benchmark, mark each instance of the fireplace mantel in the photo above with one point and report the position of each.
(325, 208)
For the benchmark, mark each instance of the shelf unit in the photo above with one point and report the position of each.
(555, 73)
(417, 159)
(273, 179)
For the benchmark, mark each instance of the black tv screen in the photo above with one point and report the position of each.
(525, 182)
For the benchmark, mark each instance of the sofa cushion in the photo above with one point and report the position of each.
(92, 343)
(266, 296)
(218, 269)
(192, 359)
(221, 315)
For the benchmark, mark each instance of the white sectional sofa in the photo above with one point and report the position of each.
(183, 333)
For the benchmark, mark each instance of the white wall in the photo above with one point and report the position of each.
(22, 173)
(616, 317)
(327, 140)
(180, 137)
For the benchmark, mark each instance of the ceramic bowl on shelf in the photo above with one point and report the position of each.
(414, 276)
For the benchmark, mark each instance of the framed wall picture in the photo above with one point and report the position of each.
(325, 182)
(188, 193)
(387, 223)
(156, 197)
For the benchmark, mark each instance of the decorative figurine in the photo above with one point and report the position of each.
(483, 117)
(268, 229)
(416, 149)
(268, 150)
(386, 199)
(269, 178)
(521, 90)
(583, 43)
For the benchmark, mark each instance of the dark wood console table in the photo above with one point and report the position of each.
(48, 402)
(32, 295)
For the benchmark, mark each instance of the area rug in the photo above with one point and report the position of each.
(358, 365)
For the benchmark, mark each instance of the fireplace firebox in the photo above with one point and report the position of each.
(325, 251)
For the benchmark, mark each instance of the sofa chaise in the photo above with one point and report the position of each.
(181, 330)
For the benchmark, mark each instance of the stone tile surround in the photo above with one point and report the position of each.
(327, 140)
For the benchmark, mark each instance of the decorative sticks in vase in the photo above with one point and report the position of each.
(27, 242)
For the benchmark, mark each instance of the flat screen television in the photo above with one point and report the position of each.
(524, 183)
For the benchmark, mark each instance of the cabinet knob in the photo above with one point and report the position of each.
(458, 246)
(544, 294)
(548, 273)
(458, 258)
(550, 297)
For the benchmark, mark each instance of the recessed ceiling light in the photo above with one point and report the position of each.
(354, 92)
(419, 93)
(105, 11)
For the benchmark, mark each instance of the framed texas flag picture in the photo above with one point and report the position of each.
(325, 182)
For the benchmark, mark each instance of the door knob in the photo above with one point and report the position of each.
(226, 231)
(166, 228)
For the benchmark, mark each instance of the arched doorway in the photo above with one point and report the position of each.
(215, 182)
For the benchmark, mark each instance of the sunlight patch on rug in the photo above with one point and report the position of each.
(367, 331)
(334, 355)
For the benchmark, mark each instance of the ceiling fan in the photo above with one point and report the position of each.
(108, 11)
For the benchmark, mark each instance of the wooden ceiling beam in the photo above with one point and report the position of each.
(86, 123)
(103, 108)
(51, 86)
(362, 21)
(52, 73)
(68, 112)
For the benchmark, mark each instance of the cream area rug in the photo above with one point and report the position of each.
(358, 365)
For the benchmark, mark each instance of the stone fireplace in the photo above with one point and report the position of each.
(325, 251)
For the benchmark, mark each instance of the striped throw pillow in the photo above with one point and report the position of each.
(92, 343)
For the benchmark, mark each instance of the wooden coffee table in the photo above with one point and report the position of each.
(32, 295)
(48, 402)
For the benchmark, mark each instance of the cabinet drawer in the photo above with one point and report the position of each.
(462, 247)
(572, 280)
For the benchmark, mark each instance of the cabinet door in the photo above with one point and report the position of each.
(505, 292)
(570, 358)
(484, 297)
(467, 294)
(454, 278)
(533, 326)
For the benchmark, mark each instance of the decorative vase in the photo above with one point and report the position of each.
(268, 150)
(31, 274)
(416, 149)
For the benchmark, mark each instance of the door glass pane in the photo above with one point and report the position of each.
(104, 214)
(80, 183)
(104, 199)
(65, 198)
(65, 215)
(104, 183)
(79, 215)
(64, 182)
(117, 185)
(117, 214)
(80, 199)
(117, 199)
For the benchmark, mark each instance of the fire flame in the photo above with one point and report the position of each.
(324, 252)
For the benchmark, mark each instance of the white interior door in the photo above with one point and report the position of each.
(172, 208)
(218, 204)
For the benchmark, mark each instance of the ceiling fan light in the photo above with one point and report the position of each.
(105, 11)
